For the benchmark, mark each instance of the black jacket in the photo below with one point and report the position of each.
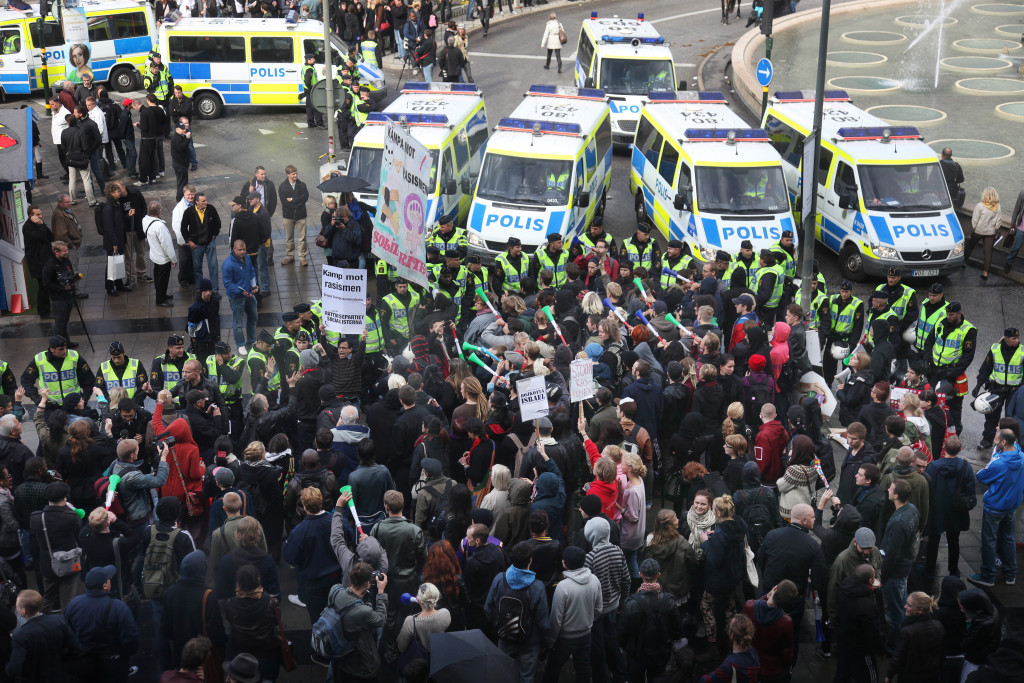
(181, 108)
(13, 455)
(917, 659)
(269, 192)
(246, 227)
(73, 142)
(632, 632)
(179, 149)
(483, 565)
(296, 208)
(848, 471)
(790, 552)
(202, 232)
(62, 525)
(275, 420)
(38, 250)
(114, 228)
(858, 624)
(426, 52)
(40, 647)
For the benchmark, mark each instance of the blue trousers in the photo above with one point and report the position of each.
(894, 595)
(209, 252)
(243, 319)
(997, 539)
(263, 271)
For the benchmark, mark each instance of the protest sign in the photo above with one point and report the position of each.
(533, 399)
(344, 299)
(581, 382)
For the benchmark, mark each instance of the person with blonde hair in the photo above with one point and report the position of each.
(430, 620)
(551, 40)
(855, 392)
(725, 570)
(475, 404)
(985, 221)
(633, 510)
(917, 657)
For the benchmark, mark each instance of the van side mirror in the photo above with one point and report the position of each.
(680, 202)
(848, 198)
(467, 185)
(583, 199)
(451, 187)
(589, 83)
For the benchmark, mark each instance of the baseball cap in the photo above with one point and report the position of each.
(127, 102)
(98, 576)
(224, 476)
(746, 299)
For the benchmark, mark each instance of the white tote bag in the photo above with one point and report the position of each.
(115, 267)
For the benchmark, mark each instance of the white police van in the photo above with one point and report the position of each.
(546, 169)
(450, 120)
(882, 199)
(626, 58)
(703, 176)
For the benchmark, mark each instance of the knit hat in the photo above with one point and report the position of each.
(756, 362)
(223, 476)
(593, 350)
(205, 285)
(674, 369)
(590, 505)
(309, 359)
(168, 509)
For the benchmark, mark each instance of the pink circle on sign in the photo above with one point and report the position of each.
(413, 213)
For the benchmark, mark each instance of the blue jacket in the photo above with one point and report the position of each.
(309, 549)
(649, 403)
(551, 499)
(117, 634)
(346, 441)
(1005, 478)
(238, 276)
(38, 648)
(520, 579)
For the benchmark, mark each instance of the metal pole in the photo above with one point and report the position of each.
(332, 124)
(42, 53)
(809, 212)
(764, 90)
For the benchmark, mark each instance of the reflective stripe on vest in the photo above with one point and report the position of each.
(899, 307)
(780, 275)
(842, 318)
(369, 51)
(275, 380)
(925, 325)
(399, 320)
(682, 263)
(556, 267)
(374, 333)
(450, 243)
(1007, 373)
(511, 274)
(948, 349)
(788, 262)
(812, 313)
(873, 316)
(127, 380)
(309, 68)
(637, 257)
(230, 392)
(171, 374)
(62, 381)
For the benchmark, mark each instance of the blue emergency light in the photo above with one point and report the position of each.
(410, 119)
(639, 16)
(566, 91)
(532, 126)
(440, 87)
(725, 134)
(879, 133)
(593, 15)
(808, 96)
(649, 40)
(683, 96)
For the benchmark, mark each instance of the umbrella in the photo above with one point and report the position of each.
(342, 183)
(469, 657)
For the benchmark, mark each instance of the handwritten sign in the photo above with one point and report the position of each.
(581, 382)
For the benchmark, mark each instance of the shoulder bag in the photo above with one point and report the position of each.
(193, 504)
(63, 562)
(562, 38)
(288, 662)
(415, 651)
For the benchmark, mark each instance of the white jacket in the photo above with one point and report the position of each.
(58, 124)
(176, 216)
(96, 114)
(158, 236)
(550, 39)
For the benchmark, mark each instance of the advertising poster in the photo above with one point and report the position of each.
(78, 53)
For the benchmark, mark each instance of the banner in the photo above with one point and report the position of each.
(581, 382)
(533, 398)
(344, 299)
(399, 228)
(78, 51)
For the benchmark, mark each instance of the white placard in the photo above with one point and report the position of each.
(812, 381)
(533, 398)
(581, 381)
(344, 299)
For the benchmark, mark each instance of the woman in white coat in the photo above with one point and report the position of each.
(551, 40)
(984, 223)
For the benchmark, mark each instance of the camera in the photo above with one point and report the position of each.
(378, 576)
(66, 278)
(167, 439)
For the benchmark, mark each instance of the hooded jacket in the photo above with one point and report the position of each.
(1005, 479)
(983, 626)
(649, 403)
(483, 565)
(512, 525)
(576, 604)
(857, 619)
(916, 659)
(183, 608)
(535, 598)
(346, 441)
(753, 490)
(773, 636)
(780, 348)
(607, 563)
(362, 624)
(243, 555)
(369, 549)
(1004, 665)
(769, 444)
(678, 565)
(632, 633)
(726, 561)
(184, 457)
(551, 499)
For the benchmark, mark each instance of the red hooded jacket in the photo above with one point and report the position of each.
(184, 456)
(769, 445)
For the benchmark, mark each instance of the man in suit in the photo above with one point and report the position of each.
(40, 646)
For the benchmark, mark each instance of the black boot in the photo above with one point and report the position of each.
(39, 171)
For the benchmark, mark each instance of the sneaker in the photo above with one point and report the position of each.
(978, 581)
(132, 670)
(1010, 582)
(984, 445)
(139, 183)
(822, 652)
(160, 174)
(288, 260)
(303, 262)
(242, 351)
(294, 599)
(146, 278)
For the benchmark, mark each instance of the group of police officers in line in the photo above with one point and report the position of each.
(935, 332)
(356, 97)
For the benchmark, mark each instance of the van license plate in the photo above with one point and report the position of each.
(926, 273)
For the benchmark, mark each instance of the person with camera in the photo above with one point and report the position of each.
(425, 55)
(58, 277)
(364, 622)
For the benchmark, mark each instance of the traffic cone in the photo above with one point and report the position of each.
(16, 307)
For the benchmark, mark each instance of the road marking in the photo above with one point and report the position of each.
(688, 14)
(684, 64)
(300, 124)
(265, 131)
(504, 56)
(198, 144)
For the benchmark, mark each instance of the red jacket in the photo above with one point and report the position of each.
(184, 455)
(773, 641)
(611, 266)
(769, 444)
(608, 492)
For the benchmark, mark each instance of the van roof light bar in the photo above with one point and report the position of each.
(408, 118)
(884, 133)
(725, 135)
(685, 97)
(540, 127)
(567, 91)
(454, 88)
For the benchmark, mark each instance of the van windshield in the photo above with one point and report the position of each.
(365, 163)
(508, 178)
(741, 190)
(912, 187)
(635, 76)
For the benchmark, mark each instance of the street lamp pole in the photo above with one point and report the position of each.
(332, 123)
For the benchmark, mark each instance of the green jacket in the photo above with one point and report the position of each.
(846, 563)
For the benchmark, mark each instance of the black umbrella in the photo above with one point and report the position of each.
(342, 183)
(469, 657)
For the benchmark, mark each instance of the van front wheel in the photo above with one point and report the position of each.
(641, 208)
(123, 79)
(851, 262)
(207, 106)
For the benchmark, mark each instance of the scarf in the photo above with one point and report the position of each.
(653, 587)
(697, 524)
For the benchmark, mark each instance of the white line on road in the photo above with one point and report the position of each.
(504, 56)
(265, 131)
(688, 14)
(684, 64)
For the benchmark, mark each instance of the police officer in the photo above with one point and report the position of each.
(551, 257)
(166, 371)
(61, 371)
(903, 302)
(226, 369)
(360, 109)
(314, 119)
(434, 262)
(742, 270)
(785, 256)
(451, 289)
(845, 326)
(387, 274)
(477, 274)
(586, 242)
(951, 347)
(880, 309)
(817, 313)
(1002, 373)
(369, 50)
(374, 334)
(446, 237)
(768, 287)
(8, 384)
(159, 82)
(509, 268)
(397, 316)
(121, 371)
(257, 360)
(290, 326)
(306, 322)
(676, 260)
(931, 313)
(641, 249)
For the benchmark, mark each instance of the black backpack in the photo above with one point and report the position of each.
(513, 618)
(629, 442)
(789, 376)
(758, 519)
(758, 395)
(653, 646)
(252, 490)
(438, 519)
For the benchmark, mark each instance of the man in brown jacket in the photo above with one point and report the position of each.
(66, 229)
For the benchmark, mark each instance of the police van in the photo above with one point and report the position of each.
(703, 176)
(626, 58)
(231, 61)
(882, 199)
(121, 35)
(547, 169)
(450, 120)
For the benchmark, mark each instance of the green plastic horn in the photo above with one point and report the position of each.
(80, 512)
(669, 317)
(473, 358)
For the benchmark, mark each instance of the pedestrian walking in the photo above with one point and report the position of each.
(552, 40)
(180, 155)
(985, 221)
(161, 252)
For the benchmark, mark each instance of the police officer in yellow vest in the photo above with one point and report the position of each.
(159, 82)
(586, 242)
(314, 119)
(951, 347)
(450, 289)
(551, 257)
(166, 370)
(817, 312)
(675, 260)
(880, 309)
(1002, 373)
(121, 371)
(903, 302)
(509, 268)
(397, 315)
(932, 311)
(226, 369)
(477, 275)
(768, 287)
(785, 256)
(307, 323)
(742, 270)
(447, 238)
(370, 50)
(61, 371)
(290, 326)
(846, 323)
(12, 43)
(641, 249)
(8, 384)
(374, 333)
(257, 359)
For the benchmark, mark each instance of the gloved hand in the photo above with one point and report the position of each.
(976, 391)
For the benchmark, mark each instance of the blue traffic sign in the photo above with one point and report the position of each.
(764, 72)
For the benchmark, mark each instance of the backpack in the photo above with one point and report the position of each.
(521, 449)
(653, 644)
(437, 520)
(629, 443)
(758, 519)
(252, 490)
(101, 486)
(97, 214)
(513, 618)
(112, 115)
(159, 567)
(757, 395)
(327, 638)
(789, 376)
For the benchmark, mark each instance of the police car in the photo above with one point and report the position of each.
(626, 58)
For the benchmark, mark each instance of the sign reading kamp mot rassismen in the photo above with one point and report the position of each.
(399, 228)
(344, 299)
